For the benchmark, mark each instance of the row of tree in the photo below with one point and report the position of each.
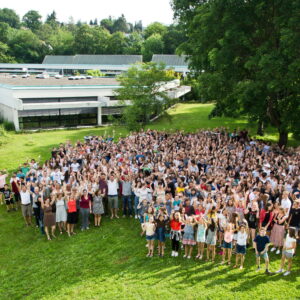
(30, 39)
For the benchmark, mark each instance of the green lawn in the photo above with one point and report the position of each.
(109, 262)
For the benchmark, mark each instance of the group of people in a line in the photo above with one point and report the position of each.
(211, 190)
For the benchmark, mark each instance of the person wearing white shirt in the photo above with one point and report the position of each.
(288, 252)
(241, 243)
(286, 202)
(25, 195)
(112, 194)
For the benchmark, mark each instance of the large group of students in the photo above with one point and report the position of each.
(210, 192)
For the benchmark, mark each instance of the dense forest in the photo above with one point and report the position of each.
(29, 39)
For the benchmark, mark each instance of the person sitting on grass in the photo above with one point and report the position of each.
(149, 227)
(241, 244)
(8, 197)
(261, 246)
(288, 251)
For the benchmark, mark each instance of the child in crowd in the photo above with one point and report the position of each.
(175, 235)
(161, 223)
(227, 243)
(188, 239)
(242, 237)
(8, 198)
(288, 251)
(211, 240)
(201, 234)
(149, 227)
(261, 246)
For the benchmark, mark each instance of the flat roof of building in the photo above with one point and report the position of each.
(32, 81)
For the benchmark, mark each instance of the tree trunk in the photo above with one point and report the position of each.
(260, 127)
(283, 138)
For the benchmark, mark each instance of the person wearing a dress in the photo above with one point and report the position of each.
(277, 233)
(188, 239)
(98, 208)
(49, 217)
(201, 236)
(61, 212)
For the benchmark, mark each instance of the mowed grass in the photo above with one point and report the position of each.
(109, 262)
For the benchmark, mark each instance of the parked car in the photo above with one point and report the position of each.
(25, 75)
(71, 78)
(58, 76)
(14, 76)
(89, 77)
(42, 76)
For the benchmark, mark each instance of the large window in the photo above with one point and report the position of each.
(49, 121)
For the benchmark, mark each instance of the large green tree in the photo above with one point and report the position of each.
(246, 57)
(141, 84)
(153, 45)
(10, 17)
(32, 20)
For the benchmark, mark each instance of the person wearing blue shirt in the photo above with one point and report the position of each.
(261, 245)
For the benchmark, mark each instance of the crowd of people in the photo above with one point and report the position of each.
(215, 191)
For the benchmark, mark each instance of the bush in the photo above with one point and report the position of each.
(9, 126)
(95, 73)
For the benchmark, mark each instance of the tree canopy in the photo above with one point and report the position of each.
(246, 57)
(142, 85)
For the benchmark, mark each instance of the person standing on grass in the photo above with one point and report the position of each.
(252, 216)
(227, 243)
(3, 175)
(241, 244)
(150, 227)
(294, 218)
(25, 195)
(49, 217)
(15, 187)
(211, 240)
(98, 209)
(72, 215)
(36, 205)
(288, 251)
(277, 233)
(112, 193)
(8, 197)
(188, 239)
(175, 224)
(104, 188)
(161, 224)
(126, 196)
(85, 204)
(201, 234)
(61, 212)
(261, 246)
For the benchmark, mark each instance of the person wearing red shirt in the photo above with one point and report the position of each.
(175, 224)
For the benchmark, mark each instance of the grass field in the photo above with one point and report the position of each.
(109, 262)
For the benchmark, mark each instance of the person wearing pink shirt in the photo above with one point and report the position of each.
(227, 244)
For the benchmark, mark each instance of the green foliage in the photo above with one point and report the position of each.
(117, 43)
(32, 20)
(246, 57)
(153, 45)
(26, 46)
(141, 85)
(155, 28)
(10, 17)
(95, 73)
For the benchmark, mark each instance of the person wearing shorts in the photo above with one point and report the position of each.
(288, 251)
(261, 245)
(150, 228)
(241, 244)
(8, 197)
